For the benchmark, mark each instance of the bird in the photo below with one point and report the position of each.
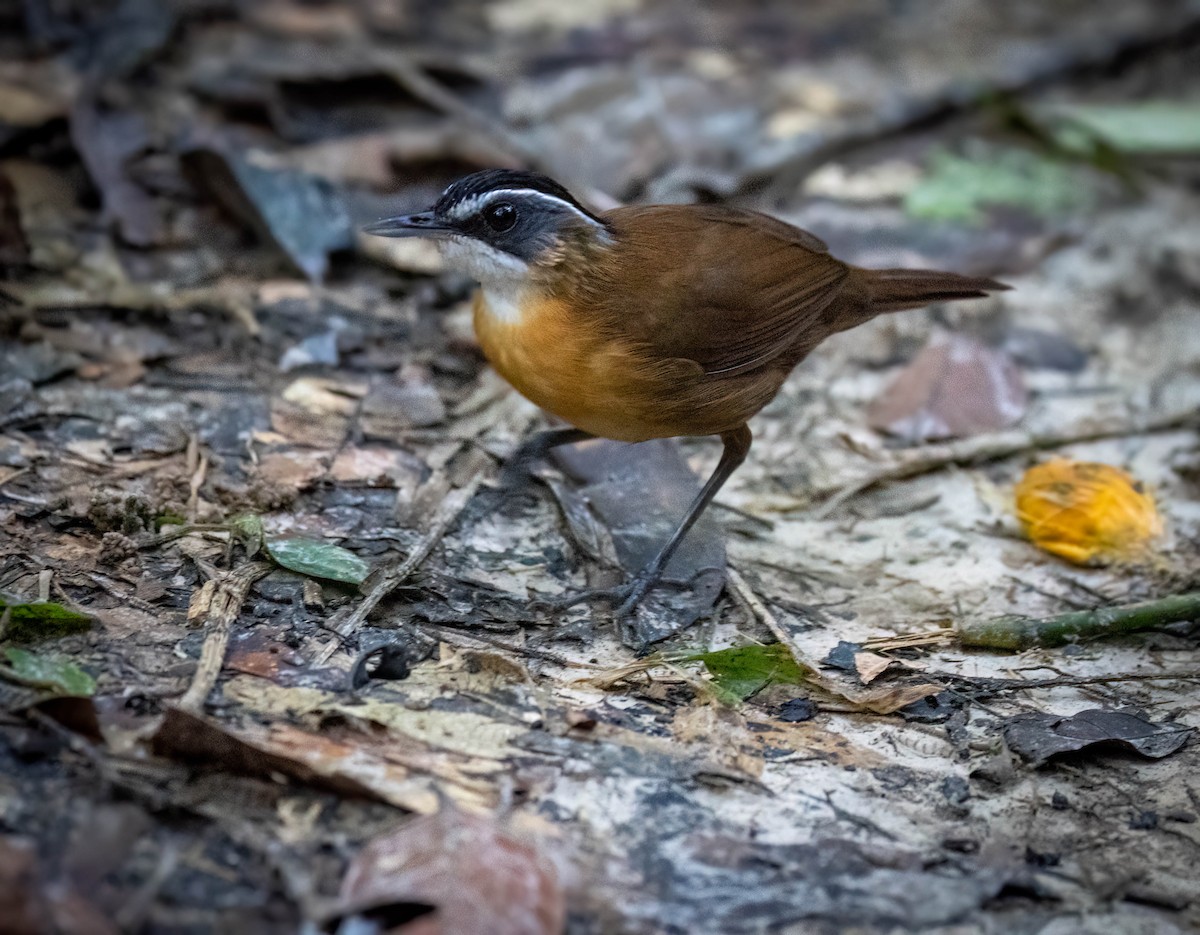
(650, 321)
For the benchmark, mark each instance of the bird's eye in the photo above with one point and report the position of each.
(500, 217)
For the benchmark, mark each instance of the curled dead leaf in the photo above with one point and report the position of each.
(954, 388)
(458, 874)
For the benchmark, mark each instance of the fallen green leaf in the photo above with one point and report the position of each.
(958, 188)
(1146, 128)
(318, 559)
(167, 518)
(41, 620)
(743, 670)
(58, 675)
(248, 528)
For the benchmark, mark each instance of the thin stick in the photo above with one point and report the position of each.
(1016, 632)
(408, 73)
(417, 82)
(988, 685)
(759, 609)
(972, 451)
(13, 475)
(223, 611)
(861, 700)
(391, 578)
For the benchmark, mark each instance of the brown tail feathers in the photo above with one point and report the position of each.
(893, 290)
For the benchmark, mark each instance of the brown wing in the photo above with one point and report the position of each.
(728, 288)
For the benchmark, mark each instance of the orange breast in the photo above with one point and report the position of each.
(558, 362)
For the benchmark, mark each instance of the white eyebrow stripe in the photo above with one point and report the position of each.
(468, 206)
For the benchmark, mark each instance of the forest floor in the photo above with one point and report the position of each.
(270, 656)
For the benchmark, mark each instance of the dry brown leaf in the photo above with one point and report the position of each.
(294, 468)
(888, 699)
(26, 107)
(811, 739)
(455, 874)
(390, 409)
(344, 760)
(31, 904)
(321, 396)
(870, 666)
(722, 731)
(954, 388)
(376, 467)
(259, 653)
(302, 427)
(107, 141)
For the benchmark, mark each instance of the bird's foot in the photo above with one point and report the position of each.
(624, 598)
(515, 477)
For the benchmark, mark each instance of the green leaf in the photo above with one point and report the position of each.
(167, 518)
(249, 529)
(743, 670)
(957, 188)
(318, 559)
(58, 675)
(1148, 128)
(41, 620)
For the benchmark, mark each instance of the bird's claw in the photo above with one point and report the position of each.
(624, 598)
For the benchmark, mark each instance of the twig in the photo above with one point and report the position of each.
(223, 611)
(391, 578)
(883, 644)
(414, 79)
(785, 171)
(1016, 632)
(179, 532)
(843, 815)
(21, 498)
(198, 474)
(13, 475)
(759, 609)
(973, 451)
(860, 700)
(996, 685)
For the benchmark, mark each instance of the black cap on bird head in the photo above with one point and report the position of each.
(510, 217)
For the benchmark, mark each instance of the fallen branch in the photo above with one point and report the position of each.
(787, 167)
(985, 448)
(408, 73)
(223, 609)
(1017, 632)
(389, 579)
(989, 686)
(884, 700)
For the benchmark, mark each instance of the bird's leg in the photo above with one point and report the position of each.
(516, 469)
(737, 446)
(515, 473)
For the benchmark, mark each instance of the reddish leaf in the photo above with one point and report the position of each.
(257, 653)
(31, 904)
(954, 388)
(454, 874)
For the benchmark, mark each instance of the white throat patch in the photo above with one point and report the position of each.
(501, 276)
(505, 301)
(485, 264)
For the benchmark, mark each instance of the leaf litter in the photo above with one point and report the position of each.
(164, 173)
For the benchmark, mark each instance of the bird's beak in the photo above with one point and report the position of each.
(423, 224)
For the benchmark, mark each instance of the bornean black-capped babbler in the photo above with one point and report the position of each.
(651, 321)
